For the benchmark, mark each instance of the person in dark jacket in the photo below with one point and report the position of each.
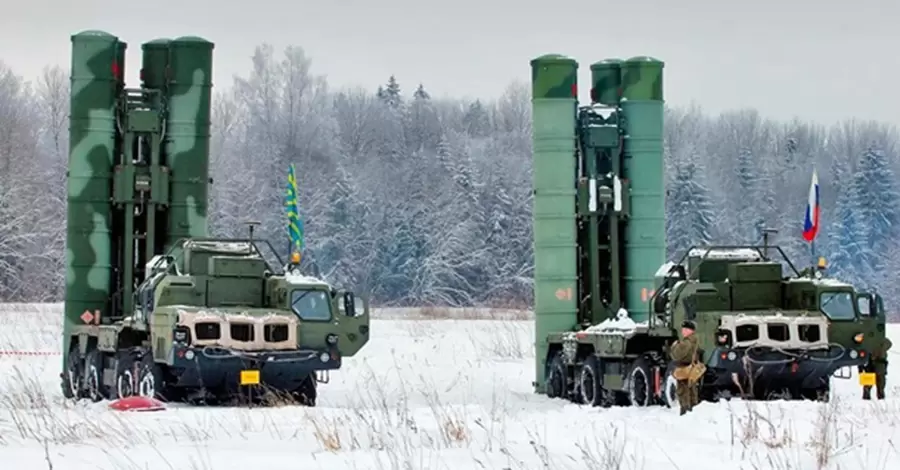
(878, 364)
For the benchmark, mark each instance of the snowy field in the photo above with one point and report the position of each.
(430, 391)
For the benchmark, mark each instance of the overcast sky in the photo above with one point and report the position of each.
(817, 59)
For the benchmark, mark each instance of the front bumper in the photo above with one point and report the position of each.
(222, 368)
(805, 369)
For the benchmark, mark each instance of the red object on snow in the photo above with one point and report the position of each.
(137, 403)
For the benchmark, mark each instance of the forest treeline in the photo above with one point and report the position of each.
(415, 200)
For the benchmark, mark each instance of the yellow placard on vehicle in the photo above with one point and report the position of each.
(867, 379)
(249, 377)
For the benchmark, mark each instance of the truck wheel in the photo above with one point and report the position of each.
(670, 398)
(125, 377)
(93, 376)
(556, 385)
(306, 393)
(150, 381)
(640, 389)
(73, 375)
(590, 390)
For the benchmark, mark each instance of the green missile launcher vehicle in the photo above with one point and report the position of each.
(607, 304)
(154, 306)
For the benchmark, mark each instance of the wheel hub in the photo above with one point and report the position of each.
(587, 385)
(638, 392)
(147, 386)
(124, 384)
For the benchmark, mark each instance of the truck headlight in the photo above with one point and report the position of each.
(181, 334)
(331, 338)
(858, 339)
(324, 357)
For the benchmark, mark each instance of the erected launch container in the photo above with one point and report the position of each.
(154, 63)
(606, 81)
(187, 146)
(645, 235)
(96, 75)
(554, 88)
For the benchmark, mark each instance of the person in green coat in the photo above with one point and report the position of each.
(878, 364)
(688, 369)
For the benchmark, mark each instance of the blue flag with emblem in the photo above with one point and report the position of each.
(295, 225)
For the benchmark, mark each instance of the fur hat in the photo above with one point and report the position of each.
(689, 325)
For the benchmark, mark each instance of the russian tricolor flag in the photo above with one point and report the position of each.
(811, 221)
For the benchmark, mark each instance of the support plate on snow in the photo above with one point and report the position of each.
(137, 403)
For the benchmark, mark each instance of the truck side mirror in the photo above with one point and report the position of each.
(349, 307)
(864, 305)
(879, 307)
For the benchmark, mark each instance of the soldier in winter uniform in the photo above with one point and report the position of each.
(688, 368)
(878, 364)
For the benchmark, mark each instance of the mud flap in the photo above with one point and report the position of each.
(844, 373)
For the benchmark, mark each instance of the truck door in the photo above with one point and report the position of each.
(354, 323)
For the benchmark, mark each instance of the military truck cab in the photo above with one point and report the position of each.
(762, 333)
(213, 318)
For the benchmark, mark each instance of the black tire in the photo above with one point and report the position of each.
(639, 386)
(556, 383)
(126, 380)
(820, 393)
(93, 376)
(73, 375)
(150, 379)
(590, 386)
(307, 393)
(669, 398)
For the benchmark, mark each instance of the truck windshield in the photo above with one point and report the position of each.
(837, 305)
(311, 304)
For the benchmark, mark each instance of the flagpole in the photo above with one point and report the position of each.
(812, 223)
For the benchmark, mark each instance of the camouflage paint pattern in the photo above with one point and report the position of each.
(642, 79)
(554, 76)
(96, 73)
(231, 285)
(155, 62)
(645, 234)
(606, 81)
(554, 102)
(187, 131)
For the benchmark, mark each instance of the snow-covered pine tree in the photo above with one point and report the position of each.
(690, 217)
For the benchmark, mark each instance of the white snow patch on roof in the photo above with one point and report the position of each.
(622, 324)
(295, 278)
(603, 110)
(223, 247)
(721, 253)
(664, 269)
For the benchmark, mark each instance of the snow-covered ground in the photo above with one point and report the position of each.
(424, 394)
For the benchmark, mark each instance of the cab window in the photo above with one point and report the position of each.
(863, 304)
(837, 305)
(311, 304)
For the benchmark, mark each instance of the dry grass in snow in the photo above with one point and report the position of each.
(433, 390)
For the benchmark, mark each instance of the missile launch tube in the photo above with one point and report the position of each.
(96, 75)
(606, 80)
(645, 235)
(554, 103)
(187, 146)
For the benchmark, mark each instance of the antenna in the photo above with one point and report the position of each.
(250, 226)
(765, 234)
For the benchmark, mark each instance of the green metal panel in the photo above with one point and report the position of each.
(606, 79)
(96, 69)
(155, 62)
(187, 146)
(645, 235)
(554, 103)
